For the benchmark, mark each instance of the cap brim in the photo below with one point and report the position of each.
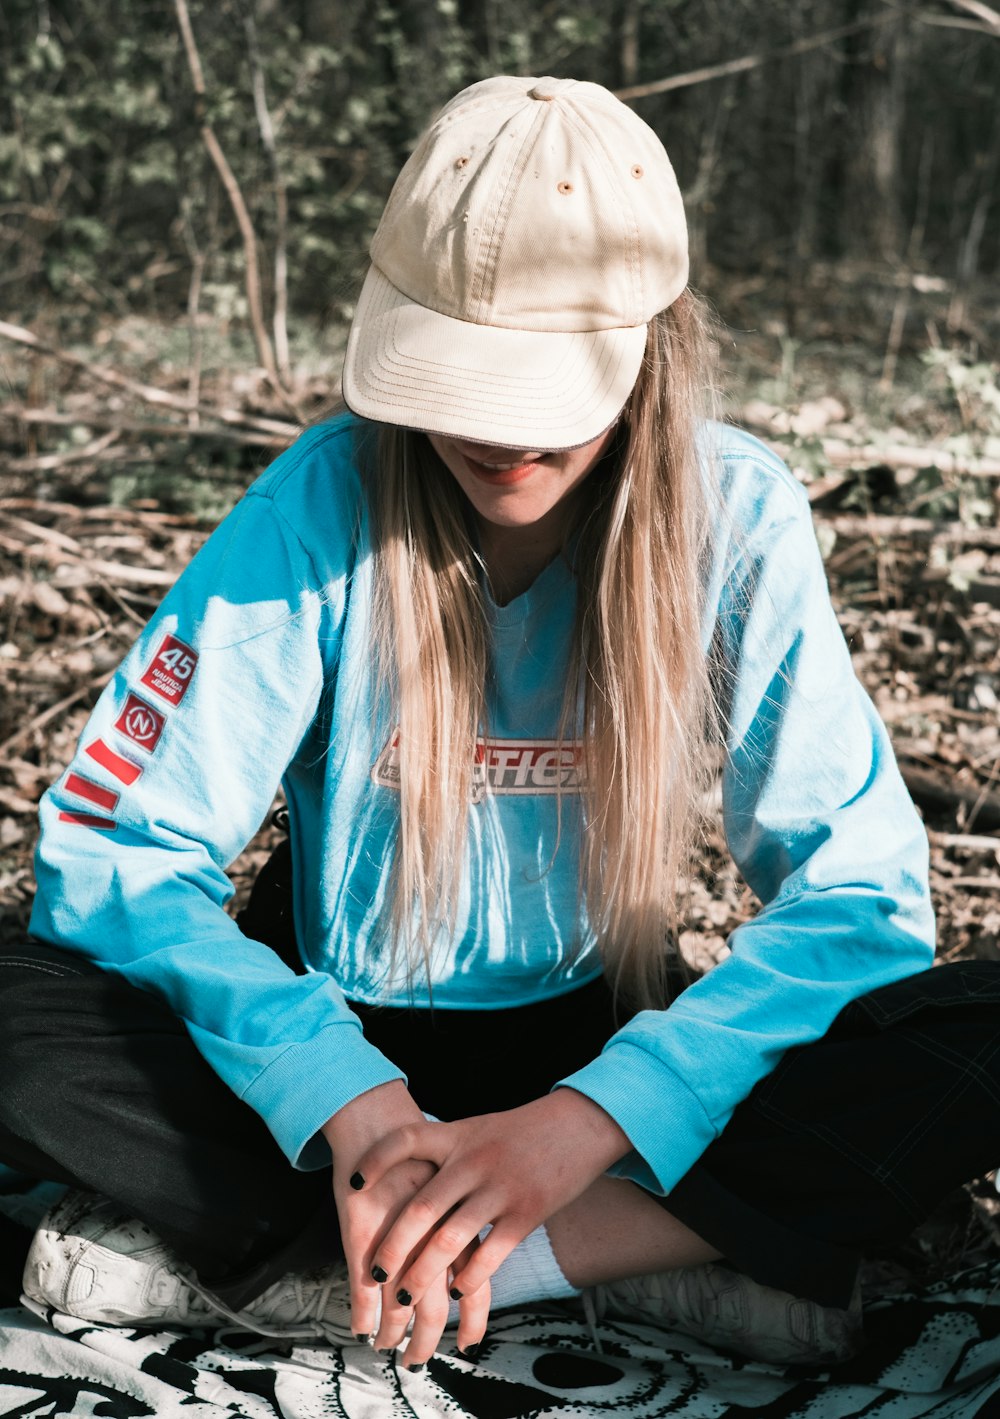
(411, 366)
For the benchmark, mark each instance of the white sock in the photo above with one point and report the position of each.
(530, 1273)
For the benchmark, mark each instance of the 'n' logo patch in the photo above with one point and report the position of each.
(141, 723)
(172, 670)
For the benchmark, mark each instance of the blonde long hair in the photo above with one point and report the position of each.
(639, 693)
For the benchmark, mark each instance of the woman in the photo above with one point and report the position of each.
(489, 632)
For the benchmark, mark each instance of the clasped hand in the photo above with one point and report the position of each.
(430, 1210)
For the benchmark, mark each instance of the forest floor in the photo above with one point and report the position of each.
(105, 495)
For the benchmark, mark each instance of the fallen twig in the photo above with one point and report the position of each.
(976, 588)
(14, 802)
(47, 462)
(74, 567)
(966, 842)
(887, 526)
(933, 790)
(97, 570)
(58, 418)
(143, 516)
(44, 534)
(847, 455)
(146, 392)
(53, 712)
(841, 454)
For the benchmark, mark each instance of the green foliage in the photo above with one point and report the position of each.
(973, 385)
(176, 489)
(107, 193)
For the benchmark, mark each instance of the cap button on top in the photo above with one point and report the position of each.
(546, 89)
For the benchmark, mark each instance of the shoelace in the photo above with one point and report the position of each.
(593, 1312)
(245, 1320)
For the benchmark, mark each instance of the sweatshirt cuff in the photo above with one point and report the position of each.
(309, 1082)
(664, 1120)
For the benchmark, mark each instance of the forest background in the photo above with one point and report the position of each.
(187, 190)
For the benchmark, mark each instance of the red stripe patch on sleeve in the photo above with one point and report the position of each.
(123, 769)
(141, 723)
(89, 820)
(171, 670)
(80, 787)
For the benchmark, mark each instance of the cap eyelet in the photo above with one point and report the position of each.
(637, 170)
(461, 162)
(565, 188)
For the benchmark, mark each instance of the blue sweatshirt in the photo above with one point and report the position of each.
(257, 671)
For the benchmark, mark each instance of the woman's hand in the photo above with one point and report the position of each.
(507, 1171)
(365, 1215)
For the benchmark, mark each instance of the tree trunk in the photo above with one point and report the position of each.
(873, 97)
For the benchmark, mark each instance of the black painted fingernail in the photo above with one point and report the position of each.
(357, 1182)
(362, 1339)
(471, 1352)
(414, 1368)
(404, 1298)
(379, 1275)
(455, 1294)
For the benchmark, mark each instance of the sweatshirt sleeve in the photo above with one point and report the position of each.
(176, 770)
(821, 826)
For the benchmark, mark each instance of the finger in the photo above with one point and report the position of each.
(446, 1248)
(430, 1222)
(429, 1320)
(429, 1142)
(473, 1318)
(355, 1235)
(362, 1218)
(366, 1304)
(395, 1319)
(497, 1247)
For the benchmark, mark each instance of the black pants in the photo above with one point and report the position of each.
(847, 1146)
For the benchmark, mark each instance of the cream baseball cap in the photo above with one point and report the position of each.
(533, 233)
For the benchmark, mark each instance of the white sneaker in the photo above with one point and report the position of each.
(90, 1260)
(730, 1310)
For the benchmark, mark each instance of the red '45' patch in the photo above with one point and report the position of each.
(172, 670)
(141, 723)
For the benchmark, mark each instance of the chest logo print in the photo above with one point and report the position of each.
(504, 766)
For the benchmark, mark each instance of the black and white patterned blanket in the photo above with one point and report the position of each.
(934, 1351)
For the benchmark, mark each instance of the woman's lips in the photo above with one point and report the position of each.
(503, 472)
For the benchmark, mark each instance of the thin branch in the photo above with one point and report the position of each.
(886, 527)
(46, 462)
(235, 195)
(754, 61)
(195, 343)
(966, 842)
(989, 17)
(266, 126)
(79, 569)
(141, 517)
(951, 22)
(90, 420)
(936, 791)
(146, 392)
(840, 454)
(53, 712)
